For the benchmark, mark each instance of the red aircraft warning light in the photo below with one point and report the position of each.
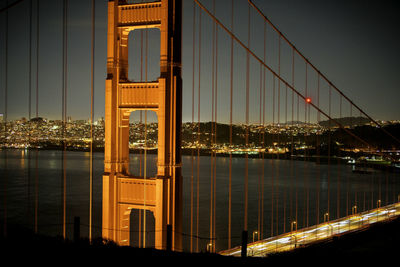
(308, 100)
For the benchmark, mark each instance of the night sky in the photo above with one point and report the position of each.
(353, 43)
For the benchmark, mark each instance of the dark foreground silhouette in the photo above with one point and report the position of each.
(378, 244)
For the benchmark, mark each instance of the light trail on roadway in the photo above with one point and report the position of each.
(320, 232)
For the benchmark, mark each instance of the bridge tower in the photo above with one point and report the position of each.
(162, 195)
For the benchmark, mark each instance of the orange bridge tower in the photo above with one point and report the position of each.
(122, 191)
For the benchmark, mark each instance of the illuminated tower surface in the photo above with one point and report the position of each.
(122, 192)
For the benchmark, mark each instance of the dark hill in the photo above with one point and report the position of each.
(345, 122)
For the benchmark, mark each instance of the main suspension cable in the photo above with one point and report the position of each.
(275, 74)
(318, 71)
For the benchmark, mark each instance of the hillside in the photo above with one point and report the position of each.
(345, 122)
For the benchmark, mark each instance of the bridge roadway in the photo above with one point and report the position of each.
(302, 237)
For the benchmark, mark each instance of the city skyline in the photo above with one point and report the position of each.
(362, 67)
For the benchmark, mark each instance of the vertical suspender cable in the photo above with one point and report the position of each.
(379, 202)
(306, 108)
(64, 110)
(261, 233)
(212, 134)
(348, 182)
(260, 155)
(273, 161)
(285, 146)
(37, 115)
(338, 162)
(260, 175)
(329, 153)
(37, 58)
(142, 234)
(305, 214)
(5, 125)
(173, 132)
(29, 106)
(62, 119)
(297, 124)
(291, 156)
(91, 124)
(286, 107)
(318, 185)
(198, 139)
(278, 141)
(145, 133)
(193, 141)
(214, 127)
(305, 218)
(387, 186)
(294, 221)
(247, 126)
(141, 152)
(284, 151)
(230, 138)
(215, 131)
(141, 111)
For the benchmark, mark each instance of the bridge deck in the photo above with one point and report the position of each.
(291, 240)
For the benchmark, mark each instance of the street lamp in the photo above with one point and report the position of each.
(255, 233)
(378, 203)
(326, 217)
(354, 209)
(209, 247)
(293, 225)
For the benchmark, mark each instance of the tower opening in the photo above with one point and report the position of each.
(144, 55)
(142, 229)
(143, 140)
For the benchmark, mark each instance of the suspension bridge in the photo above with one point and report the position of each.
(218, 133)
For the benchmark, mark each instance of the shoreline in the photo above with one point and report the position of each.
(317, 159)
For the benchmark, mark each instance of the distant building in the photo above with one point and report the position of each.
(1, 117)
